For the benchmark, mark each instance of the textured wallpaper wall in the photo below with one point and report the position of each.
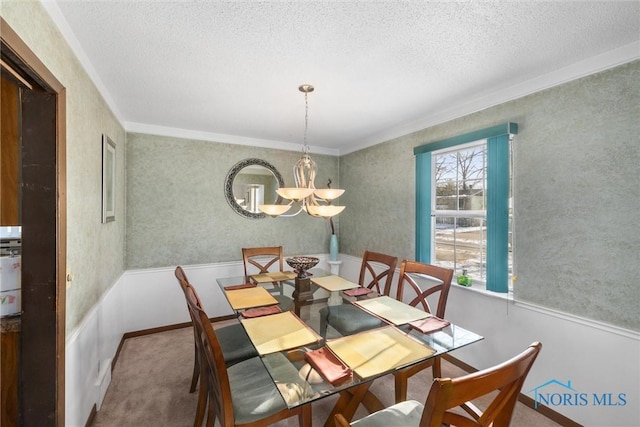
(177, 212)
(577, 194)
(95, 251)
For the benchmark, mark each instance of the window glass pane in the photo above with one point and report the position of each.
(444, 172)
(471, 178)
(460, 179)
(460, 244)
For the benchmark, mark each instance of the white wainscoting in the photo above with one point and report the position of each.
(596, 358)
(89, 352)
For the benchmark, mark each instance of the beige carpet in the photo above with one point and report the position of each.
(150, 387)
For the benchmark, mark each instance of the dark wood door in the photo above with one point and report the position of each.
(38, 258)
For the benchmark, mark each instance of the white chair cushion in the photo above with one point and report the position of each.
(405, 414)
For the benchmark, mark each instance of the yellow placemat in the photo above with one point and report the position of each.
(275, 276)
(377, 351)
(392, 310)
(249, 297)
(278, 332)
(334, 283)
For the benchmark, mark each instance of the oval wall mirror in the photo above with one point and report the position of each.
(250, 183)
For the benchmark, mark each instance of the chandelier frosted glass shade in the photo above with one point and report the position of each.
(328, 193)
(274, 210)
(326, 211)
(294, 194)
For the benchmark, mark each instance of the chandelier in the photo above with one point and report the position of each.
(314, 201)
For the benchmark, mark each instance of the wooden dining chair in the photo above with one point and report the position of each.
(243, 394)
(263, 260)
(235, 343)
(417, 296)
(376, 273)
(445, 394)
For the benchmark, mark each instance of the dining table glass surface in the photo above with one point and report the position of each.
(333, 363)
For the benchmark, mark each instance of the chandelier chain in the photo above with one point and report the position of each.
(305, 146)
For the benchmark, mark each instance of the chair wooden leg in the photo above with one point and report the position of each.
(211, 417)
(203, 397)
(402, 376)
(196, 371)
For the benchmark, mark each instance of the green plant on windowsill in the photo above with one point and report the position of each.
(463, 279)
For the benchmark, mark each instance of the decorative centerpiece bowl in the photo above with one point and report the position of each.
(301, 264)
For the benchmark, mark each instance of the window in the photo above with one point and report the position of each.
(463, 204)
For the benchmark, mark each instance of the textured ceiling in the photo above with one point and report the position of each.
(230, 71)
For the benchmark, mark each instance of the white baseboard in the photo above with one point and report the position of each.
(103, 381)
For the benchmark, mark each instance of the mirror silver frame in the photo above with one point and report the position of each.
(228, 186)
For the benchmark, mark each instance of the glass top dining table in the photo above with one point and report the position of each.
(292, 369)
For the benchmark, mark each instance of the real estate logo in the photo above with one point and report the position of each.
(557, 393)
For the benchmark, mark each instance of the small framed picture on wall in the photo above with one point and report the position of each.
(108, 179)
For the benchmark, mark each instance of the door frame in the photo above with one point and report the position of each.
(29, 66)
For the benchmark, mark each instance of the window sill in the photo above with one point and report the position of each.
(480, 288)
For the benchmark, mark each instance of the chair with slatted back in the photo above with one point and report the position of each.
(264, 260)
(505, 379)
(235, 343)
(243, 394)
(417, 297)
(376, 273)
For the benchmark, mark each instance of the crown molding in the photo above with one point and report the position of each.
(63, 26)
(595, 64)
(224, 138)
